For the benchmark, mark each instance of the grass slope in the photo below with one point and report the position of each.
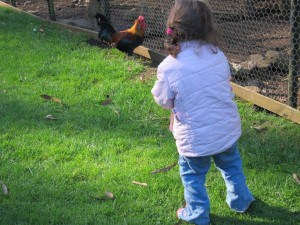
(57, 171)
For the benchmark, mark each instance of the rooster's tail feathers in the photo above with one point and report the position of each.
(101, 18)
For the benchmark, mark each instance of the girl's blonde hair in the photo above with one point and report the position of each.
(190, 20)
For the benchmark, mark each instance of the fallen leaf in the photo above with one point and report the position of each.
(48, 97)
(4, 188)
(296, 178)
(259, 128)
(139, 183)
(56, 99)
(49, 117)
(109, 195)
(165, 169)
(107, 101)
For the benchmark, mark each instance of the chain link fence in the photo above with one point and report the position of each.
(262, 43)
(261, 38)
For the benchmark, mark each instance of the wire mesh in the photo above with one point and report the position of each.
(258, 36)
(261, 37)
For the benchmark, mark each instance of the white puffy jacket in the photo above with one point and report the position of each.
(195, 86)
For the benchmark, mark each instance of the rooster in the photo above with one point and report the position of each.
(125, 40)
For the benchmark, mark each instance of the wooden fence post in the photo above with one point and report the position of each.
(294, 65)
(51, 9)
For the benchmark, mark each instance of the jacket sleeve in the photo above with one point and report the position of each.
(162, 93)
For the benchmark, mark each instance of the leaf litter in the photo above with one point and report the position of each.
(107, 101)
(4, 188)
(107, 196)
(51, 98)
(49, 117)
(140, 183)
(296, 178)
(165, 169)
(54, 99)
(261, 127)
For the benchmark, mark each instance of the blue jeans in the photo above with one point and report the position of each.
(193, 174)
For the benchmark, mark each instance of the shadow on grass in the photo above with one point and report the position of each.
(269, 214)
(275, 149)
(77, 117)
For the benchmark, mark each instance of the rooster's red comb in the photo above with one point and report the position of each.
(141, 18)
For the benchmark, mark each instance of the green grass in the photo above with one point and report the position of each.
(57, 171)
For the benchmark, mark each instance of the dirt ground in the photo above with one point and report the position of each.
(64, 9)
(72, 12)
(274, 85)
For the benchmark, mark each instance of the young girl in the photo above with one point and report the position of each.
(193, 81)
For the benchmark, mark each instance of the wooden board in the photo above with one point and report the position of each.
(242, 92)
(267, 103)
(149, 54)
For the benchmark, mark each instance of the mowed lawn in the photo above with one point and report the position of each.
(78, 121)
